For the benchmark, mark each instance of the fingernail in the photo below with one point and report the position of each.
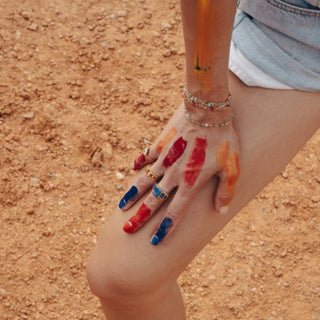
(224, 210)
(154, 240)
(163, 230)
(128, 227)
(129, 196)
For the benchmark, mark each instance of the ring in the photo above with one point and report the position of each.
(150, 174)
(146, 154)
(159, 193)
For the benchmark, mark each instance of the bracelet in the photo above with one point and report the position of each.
(208, 125)
(213, 106)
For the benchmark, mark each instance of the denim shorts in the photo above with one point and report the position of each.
(282, 38)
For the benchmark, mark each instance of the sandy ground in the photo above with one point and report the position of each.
(84, 86)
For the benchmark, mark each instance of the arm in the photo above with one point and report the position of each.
(188, 152)
(207, 27)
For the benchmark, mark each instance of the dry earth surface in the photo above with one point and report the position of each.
(84, 87)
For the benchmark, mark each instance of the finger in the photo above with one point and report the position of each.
(172, 216)
(147, 156)
(175, 152)
(142, 184)
(166, 139)
(228, 178)
(151, 204)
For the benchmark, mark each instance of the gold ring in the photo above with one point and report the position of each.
(150, 174)
(159, 193)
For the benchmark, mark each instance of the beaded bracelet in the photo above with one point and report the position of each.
(213, 106)
(208, 125)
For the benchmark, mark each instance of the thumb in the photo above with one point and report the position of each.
(224, 194)
(228, 178)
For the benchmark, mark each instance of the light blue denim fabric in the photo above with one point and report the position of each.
(282, 38)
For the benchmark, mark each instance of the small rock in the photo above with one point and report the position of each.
(120, 176)
(166, 53)
(107, 150)
(121, 13)
(283, 254)
(33, 27)
(119, 187)
(25, 15)
(35, 181)
(29, 115)
(97, 157)
(165, 26)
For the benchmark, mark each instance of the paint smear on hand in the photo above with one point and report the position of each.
(129, 196)
(137, 220)
(222, 153)
(166, 139)
(139, 162)
(202, 49)
(196, 161)
(233, 170)
(175, 152)
(162, 231)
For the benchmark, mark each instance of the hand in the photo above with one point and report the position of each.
(185, 156)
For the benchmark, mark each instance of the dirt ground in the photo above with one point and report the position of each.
(84, 86)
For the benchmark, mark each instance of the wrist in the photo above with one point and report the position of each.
(218, 93)
(208, 116)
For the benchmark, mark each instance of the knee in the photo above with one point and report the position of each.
(115, 280)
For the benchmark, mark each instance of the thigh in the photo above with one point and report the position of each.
(272, 126)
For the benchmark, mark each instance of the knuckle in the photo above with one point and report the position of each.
(174, 215)
(144, 182)
(152, 202)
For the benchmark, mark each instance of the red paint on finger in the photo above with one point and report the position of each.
(196, 161)
(175, 152)
(137, 220)
(139, 162)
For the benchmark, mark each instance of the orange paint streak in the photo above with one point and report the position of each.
(222, 153)
(202, 50)
(166, 139)
(229, 163)
(233, 170)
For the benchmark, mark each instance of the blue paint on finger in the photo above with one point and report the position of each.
(163, 230)
(129, 196)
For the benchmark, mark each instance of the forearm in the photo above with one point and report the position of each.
(207, 26)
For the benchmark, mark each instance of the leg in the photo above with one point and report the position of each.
(133, 278)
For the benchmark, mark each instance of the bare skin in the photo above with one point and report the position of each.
(135, 280)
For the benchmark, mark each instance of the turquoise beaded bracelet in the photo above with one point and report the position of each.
(208, 125)
(213, 106)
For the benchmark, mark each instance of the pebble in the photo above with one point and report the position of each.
(25, 14)
(120, 176)
(119, 187)
(107, 150)
(29, 115)
(121, 13)
(33, 27)
(35, 181)
(165, 26)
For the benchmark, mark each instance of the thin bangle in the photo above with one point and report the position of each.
(208, 125)
(207, 105)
